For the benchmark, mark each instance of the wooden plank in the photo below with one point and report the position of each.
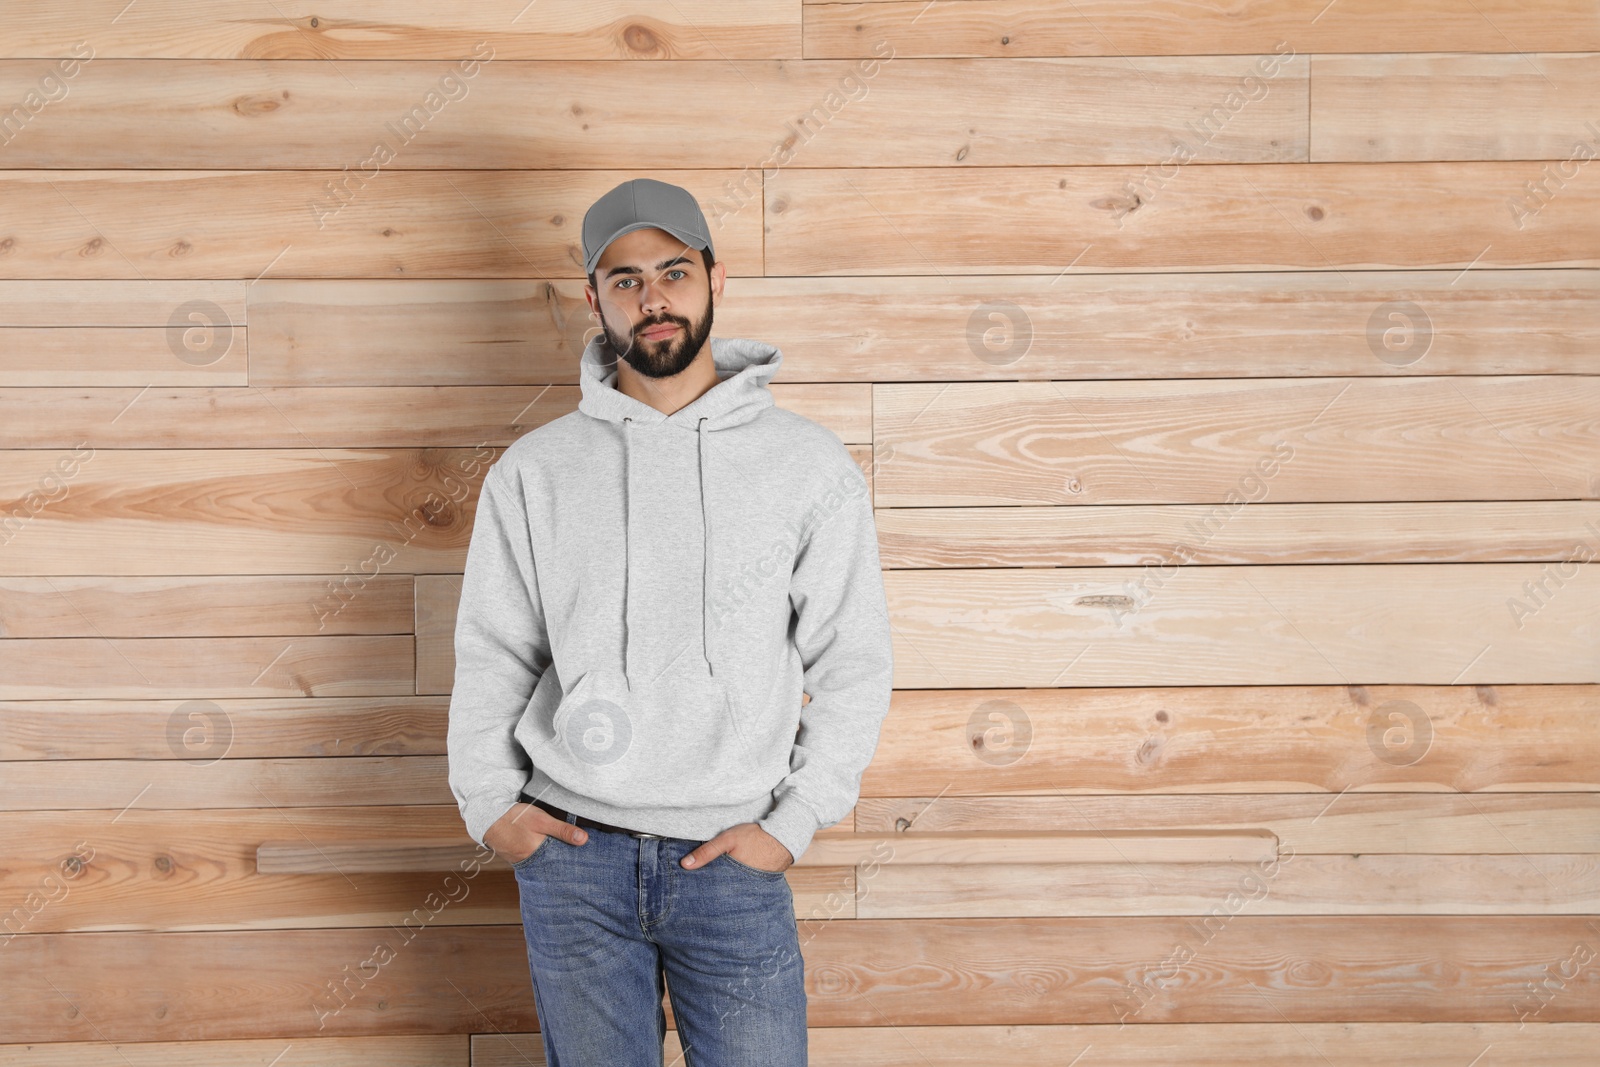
(1269, 216)
(1456, 531)
(210, 781)
(202, 668)
(223, 511)
(302, 983)
(1362, 624)
(751, 116)
(287, 224)
(30, 302)
(1351, 822)
(1138, 28)
(441, 331)
(1137, 1045)
(196, 870)
(395, 416)
(1297, 885)
(904, 329)
(200, 355)
(1392, 108)
(1231, 739)
(410, 853)
(431, 29)
(1252, 970)
(410, 1050)
(208, 606)
(1228, 443)
(240, 727)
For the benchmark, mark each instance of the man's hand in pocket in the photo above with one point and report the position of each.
(749, 844)
(518, 833)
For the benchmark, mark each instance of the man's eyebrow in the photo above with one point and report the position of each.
(663, 265)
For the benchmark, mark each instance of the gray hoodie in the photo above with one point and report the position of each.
(644, 600)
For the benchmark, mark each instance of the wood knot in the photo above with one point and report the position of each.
(639, 38)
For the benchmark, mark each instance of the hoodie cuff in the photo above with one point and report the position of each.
(480, 814)
(793, 824)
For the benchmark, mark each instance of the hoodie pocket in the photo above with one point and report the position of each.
(679, 741)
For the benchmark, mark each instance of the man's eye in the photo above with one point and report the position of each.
(676, 270)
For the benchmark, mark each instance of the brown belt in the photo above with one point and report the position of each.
(584, 820)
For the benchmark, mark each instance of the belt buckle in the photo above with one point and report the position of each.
(641, 833)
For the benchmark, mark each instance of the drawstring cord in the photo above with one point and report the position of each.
(627, 551)
(705, 570)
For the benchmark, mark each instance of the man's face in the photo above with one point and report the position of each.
(655, 301)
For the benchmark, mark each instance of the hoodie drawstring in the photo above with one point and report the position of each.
(705, 567)
(627, 550)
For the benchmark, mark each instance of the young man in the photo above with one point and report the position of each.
(654, 582)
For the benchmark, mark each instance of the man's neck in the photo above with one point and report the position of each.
(667, 395)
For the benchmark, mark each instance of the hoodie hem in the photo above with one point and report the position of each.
(700, 823)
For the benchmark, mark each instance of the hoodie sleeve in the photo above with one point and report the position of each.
(841, 629)
(501, 650)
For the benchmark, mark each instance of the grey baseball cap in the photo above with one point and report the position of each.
(640, 204)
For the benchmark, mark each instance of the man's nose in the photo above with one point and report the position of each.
(651, 298)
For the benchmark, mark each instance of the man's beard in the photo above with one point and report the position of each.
(661, 359)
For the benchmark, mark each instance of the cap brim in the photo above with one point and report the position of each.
(688, 239)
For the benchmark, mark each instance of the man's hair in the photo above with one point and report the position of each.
(705, 257)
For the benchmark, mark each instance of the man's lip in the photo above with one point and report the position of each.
(660, 331)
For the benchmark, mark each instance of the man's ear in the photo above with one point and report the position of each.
(719, 277)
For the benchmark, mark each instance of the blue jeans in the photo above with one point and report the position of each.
(609, 921)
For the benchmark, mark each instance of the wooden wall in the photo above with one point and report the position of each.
(1226, 373)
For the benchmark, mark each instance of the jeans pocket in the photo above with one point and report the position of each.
(757, 871)
(525, 861)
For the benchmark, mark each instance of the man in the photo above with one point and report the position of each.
(654, 582)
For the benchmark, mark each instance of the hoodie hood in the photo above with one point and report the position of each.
(744, 368)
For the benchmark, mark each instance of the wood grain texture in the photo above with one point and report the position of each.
(1192, 1044)
(337, 417)
(1300, 885)
(494, 113)
(417, 29)
(1394, 108)
(28, 302)
(209, 606)
(1346, 821)
(419, 1050)
(320, 224)
(203, 779)
(1272, 216)
(1016, 971)
(200, 356)
(1140, 535)
(1221, 739)
(1362, 624)
(1013, 28)
(238, 727)
(238, 510)
(436, 597)
(1229, 443)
